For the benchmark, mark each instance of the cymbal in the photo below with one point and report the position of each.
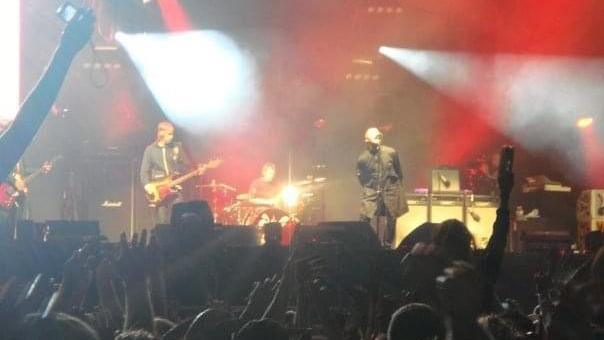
(243, 197)
(216, 185)
(248, 200)
(262, 201)
(316, 180)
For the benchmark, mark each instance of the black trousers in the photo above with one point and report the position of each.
(163, 212)
(383, 224)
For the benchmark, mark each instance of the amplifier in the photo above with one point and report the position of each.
(480, 217)
(590, 205)
(546, 240)
(417, 215)
(446, 207)
(445, 180)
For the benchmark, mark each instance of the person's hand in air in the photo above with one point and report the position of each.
(78, 31)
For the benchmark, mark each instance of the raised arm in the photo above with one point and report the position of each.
(493, 257)
(133, 265)
(28, 120)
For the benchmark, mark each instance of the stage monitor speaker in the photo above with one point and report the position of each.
(445, 181)
(199, 208)
(417, 215)
(352, 234)
(479, 220)
(72, 229)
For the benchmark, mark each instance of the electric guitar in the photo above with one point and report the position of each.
(162, 189)
(9, 194)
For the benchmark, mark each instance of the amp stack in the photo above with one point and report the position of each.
(590, 214)
(445, 200)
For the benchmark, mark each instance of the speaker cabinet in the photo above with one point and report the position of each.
(590, 205)
(417, 215)
(444, 210)
(107, 190)
(352, 234)
(445, 181)
(480, 217)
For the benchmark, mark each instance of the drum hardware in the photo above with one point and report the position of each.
(220, 197)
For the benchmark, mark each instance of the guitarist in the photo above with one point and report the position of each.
(13, 196)
(163, 158)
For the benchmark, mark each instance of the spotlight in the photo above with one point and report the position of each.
(290, 195)
(584, 122)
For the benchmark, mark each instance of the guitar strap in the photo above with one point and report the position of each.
(164, 158)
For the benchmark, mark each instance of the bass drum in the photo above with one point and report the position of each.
(268, 215)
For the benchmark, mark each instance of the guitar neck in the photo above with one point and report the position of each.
(184, 178)
(33, 175)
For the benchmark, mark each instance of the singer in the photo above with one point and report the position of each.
(380, 175)
(163, 158)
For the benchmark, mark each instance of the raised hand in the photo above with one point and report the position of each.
(133, 266)
(132, 261)
(261, 295)
(77, 277)
(505, 178)
(105, 274)
(78, 31)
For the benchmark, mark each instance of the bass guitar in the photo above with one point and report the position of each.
(162, 189)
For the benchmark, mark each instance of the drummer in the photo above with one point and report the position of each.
(264, 189)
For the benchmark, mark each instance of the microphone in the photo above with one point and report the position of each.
(444, 180)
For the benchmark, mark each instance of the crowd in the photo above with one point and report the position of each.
(443, 289)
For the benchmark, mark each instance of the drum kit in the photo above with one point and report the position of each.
(299, 202)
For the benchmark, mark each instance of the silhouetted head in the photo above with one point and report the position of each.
(211, 324)
(57, 326)
(455, 239)
(163, 325)
(416, 321)
(262, 330)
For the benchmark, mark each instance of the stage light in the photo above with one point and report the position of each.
(200, 79)
(10, 21)
(532, 99)
(584, 122)
(290, 196)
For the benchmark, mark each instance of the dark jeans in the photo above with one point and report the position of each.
(162, 213)
(383, 224)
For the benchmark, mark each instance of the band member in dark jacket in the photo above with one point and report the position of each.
(163, 158)
(383, 199)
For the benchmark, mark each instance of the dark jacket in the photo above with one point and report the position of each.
(380, 173)
(152, 166)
